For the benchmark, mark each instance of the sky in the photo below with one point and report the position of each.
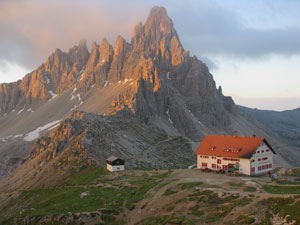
(252, 47)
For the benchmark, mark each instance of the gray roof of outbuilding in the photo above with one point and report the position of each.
(112, 158)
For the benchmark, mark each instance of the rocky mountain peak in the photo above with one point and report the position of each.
(158, 18)
(79, 53)
(106, 52)
(158, 37)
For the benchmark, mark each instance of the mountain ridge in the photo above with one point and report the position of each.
(153, 77)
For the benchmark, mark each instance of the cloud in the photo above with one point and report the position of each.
(212, 28)
(31, 29)
(209, 62)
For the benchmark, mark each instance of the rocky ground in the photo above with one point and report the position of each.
(86, 139)
(94, 196)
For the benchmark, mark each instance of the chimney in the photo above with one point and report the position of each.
(254, 135)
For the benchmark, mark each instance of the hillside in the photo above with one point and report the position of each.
(286, 124)
(94, 196)
(87, 139)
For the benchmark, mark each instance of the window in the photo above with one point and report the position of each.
(219, 161)
(258, 152)
(253, 169)
(224, 167)
(259, 159)
(213, 157)
(252, 160)
(262, 151)
(213, 165)
(204, 164)
(259, 168)
(265, 158)
(270, 165)
(267, 150)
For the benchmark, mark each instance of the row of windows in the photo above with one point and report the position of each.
(230, 159)
(213, 157)
(214, 166)
(263, 159)
(264, 167)
(262, 151)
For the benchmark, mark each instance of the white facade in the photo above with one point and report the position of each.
(262, 160)
(115, 168)
(260, 163)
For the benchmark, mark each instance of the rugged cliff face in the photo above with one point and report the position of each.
(166, 80)
(56, 75)
(152, 76)
(89, 139)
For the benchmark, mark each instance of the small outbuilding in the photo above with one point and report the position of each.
(115, 164)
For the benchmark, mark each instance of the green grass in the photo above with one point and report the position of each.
(182, 186)
(277, 189)
(233, 184)
(196, 212)
(223, 210)
(170, 191)
(286, 182)
(245, 220)
(249, 189)
(85, 175)
(218, 207)
(65, 199)
(162, 220)
(283, 207)
(144, 186)
(189, 185)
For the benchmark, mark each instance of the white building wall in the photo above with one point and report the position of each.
(245, 164)
(265, 154)
(115, 168)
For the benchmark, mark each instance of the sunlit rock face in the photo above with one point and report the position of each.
(165, 78)
(152, 76)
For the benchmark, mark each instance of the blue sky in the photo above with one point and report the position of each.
(252, 47)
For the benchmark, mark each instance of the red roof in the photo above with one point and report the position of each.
(230, 146)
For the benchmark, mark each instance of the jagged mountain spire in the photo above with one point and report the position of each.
(158, 37)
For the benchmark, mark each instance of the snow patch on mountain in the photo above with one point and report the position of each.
(168, 76)
(36, 133)
(21, 110)
(105, 83)
(171, 122)
(47, 79)
(52, 94)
